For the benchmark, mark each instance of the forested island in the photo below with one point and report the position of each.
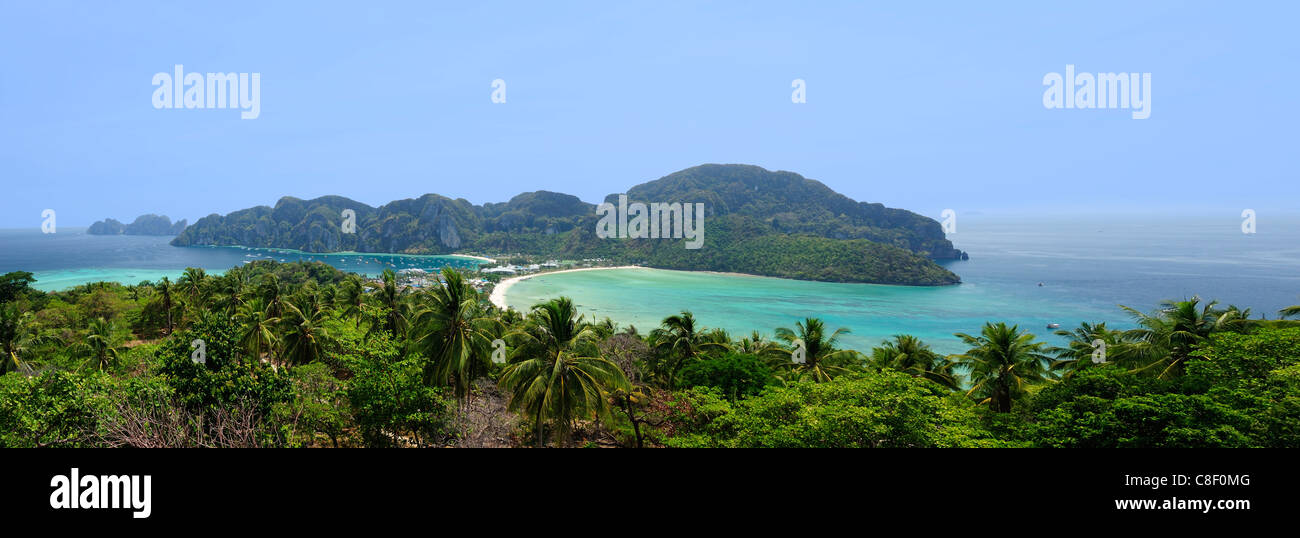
(149, 224)
(756, 222)
(303, 355)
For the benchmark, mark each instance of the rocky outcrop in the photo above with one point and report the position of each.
(143, 225)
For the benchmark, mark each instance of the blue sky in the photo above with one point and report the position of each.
(920, 105)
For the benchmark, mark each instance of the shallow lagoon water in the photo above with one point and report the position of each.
(1087, 267)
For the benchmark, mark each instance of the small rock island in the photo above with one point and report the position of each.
(143, 225)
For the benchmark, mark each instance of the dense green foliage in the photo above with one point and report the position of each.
(886, 409)
(302, 355)
(756, 222)
(735, 375)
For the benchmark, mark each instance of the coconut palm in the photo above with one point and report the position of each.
(1001, 362)
(716, 339)
(193, 283)
(308, 299)
(99, 345)
(557, 375)
(389, 296)
(757, 345)
(1165, 339)
(233, 291)
(165, 290)
(509, 316)
(304, 339)
(1289, 312)
(351, 297)
(17, 336)
(679, 340)
(820, 360)
(908, 354)
(271, 294)
(1082, 350)
(1235, 319)
(455, 336)
(605, 327)
(257, 328)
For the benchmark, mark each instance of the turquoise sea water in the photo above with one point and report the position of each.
(1087, 267)
(71, 257)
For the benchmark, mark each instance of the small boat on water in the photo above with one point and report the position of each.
(1053, 325)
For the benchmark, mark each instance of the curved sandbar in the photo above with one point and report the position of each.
(498, 296)
(480, 258)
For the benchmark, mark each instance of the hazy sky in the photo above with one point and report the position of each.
(919, 105)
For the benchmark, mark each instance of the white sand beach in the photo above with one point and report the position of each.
(481, 258)
(498, 296)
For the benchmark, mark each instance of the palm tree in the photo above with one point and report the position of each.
(1080, 347)
(193, 283)
(16, 337)
(165, 295)
(908, 354)
(1235, 319)
(716, 339)
(821, 361)
(1001, 361)
(257, 333)
(757, 345)
(351, 297)
(305, 338)
(234, 291)
(390, 297)
(508, 316)
(1289, 312)
(454, 335)
(308, 299)
(1165, 339)
(606, 327)
(680, 341)
(99, 345)
(269, 291)
(558, 375)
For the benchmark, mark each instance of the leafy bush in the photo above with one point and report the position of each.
(886, 409)
(51, 409)
(391, 403)
(223, 379)
(736, 375)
